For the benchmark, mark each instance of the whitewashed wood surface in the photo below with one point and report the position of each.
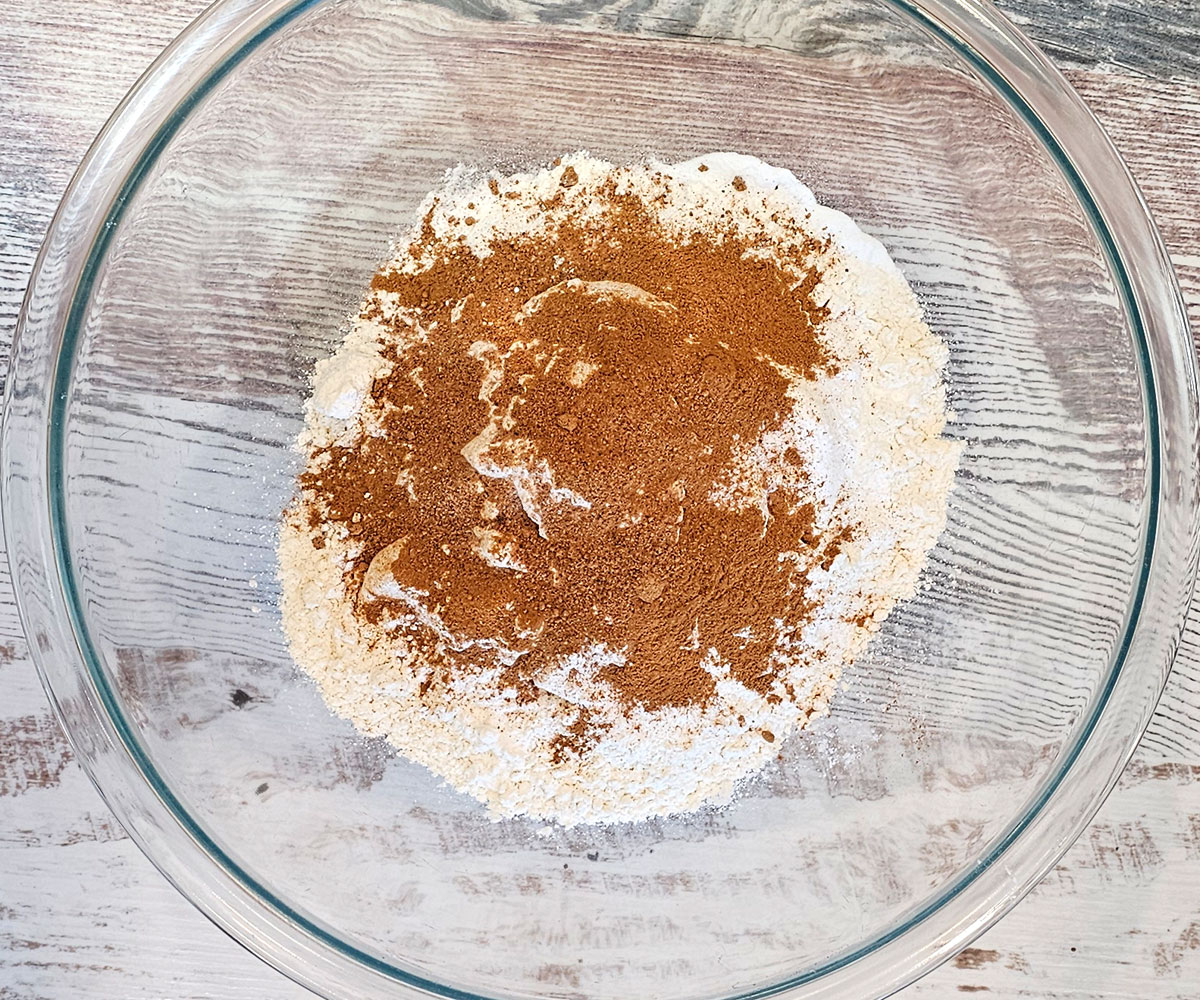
(83, 914)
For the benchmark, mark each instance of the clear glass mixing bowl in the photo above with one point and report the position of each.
(206, 254)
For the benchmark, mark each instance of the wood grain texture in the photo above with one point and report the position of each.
(83, 914)
(1128, 37)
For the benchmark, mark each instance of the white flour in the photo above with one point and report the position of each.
(870, 441)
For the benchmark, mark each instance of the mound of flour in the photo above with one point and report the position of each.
(868, 434)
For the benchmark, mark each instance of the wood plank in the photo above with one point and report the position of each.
(1129, 37)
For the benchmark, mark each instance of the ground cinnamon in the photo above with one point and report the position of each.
(634, 375)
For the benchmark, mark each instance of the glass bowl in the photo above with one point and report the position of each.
(206, 254)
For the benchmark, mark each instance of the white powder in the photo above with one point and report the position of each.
(869, 437)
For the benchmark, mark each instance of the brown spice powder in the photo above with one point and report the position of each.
(643, 366)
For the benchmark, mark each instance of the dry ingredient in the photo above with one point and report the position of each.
(615, 471)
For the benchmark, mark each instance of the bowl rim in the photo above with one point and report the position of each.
(32, 443)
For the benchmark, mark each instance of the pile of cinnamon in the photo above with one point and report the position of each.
(633, 368)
